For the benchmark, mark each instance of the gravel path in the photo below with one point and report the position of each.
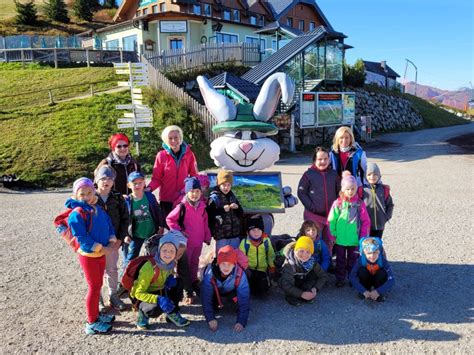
(429, 242)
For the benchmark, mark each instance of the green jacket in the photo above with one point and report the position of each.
(142, 290)
(258, 258)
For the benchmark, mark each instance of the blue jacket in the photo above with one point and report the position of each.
(155, 210)
(321, 254)
(90, 244)
(356, 164)
(385, 288)
(224, 286)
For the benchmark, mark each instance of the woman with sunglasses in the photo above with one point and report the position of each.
(121, 160)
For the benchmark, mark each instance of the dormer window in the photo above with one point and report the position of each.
(197, 9)
(253, 20)
(236, 15)
(226, 14)
(289, 21)
(207, 10)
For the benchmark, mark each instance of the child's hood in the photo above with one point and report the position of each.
(73, 203)
(288, 251)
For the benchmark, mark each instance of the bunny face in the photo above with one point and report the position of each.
(244, 151)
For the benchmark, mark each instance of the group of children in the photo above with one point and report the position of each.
(341, 219)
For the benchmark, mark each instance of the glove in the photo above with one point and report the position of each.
(170, 282)
(165, 304)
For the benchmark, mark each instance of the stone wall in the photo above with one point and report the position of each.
(387, 113)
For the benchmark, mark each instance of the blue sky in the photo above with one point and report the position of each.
(435, 35)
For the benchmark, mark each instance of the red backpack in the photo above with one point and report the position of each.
(133, 268)
(386, 192)
(64, 230)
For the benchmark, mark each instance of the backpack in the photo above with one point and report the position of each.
(238, 276)
(64, 230)
(133, 268)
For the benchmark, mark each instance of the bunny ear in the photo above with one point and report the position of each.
(218, 105)
(267, 101)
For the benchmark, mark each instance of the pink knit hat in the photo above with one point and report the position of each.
(348, 181)
(82, 182)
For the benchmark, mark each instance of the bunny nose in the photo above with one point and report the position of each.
(246, 147)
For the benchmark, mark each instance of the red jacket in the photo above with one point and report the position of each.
(168, 174)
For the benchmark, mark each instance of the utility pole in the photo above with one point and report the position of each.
(405, 75)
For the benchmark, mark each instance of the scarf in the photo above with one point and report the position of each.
(306, 266)
(345, 149)
(118, 160)
(162, 265)
(192, 203)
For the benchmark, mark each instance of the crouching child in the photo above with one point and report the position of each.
(302, 277)
(156, 290)
(372, 275)
(225, 279)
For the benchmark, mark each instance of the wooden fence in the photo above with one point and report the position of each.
(159, 81)
(204, 55)
(66, 55)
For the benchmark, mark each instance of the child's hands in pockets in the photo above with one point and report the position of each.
(213, 325)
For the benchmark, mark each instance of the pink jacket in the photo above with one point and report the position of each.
(195, 222)
(169, 176)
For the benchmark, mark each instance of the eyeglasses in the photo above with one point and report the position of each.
(122, 146)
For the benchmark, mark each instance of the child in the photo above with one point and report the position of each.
(372, 275)
(146, 218)
(193, 224)
(347, 154)
(93, 246)
(259, 251)
(377, 199)
(224, 212)
(317, 190)
(348, 222)
(225, 279)
(154, 295)
(321, 254)
(114, 204)
(301, 278)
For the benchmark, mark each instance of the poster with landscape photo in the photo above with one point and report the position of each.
(258, 192)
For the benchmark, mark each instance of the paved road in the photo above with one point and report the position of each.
(429, 242)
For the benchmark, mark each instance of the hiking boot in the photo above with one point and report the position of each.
(380, 298)
(177, 319)
(293, 301)
(116, 303)
(340, 283)
(97, 327)
(142, 321)
(121, 292)
(106, 318)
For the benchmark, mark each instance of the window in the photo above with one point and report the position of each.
(207, 10)
(301, 25)
(261, 21)
(145, 11)
(256, 40)
(162, 7)
(137, 13)
(227, 37)
(274, 45)
(227, 15)
(236, 15)
(197, 9)
(154, 9)
(176, 43)
(114, 44)
(130, 43)
(312, 26)
(289, 21)
(253, 20)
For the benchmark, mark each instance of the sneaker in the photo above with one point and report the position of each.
(381, 298)
(293, 301)
(340, 283)
(177, 319)
(106, 318)
(97, 327)
(142, 321)
(116, 303)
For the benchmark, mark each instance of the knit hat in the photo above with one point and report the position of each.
(182, 240)
(104, 171)
(82, 182)
(305, 243)
(224, 176)
(191, 183)
(169, 237)
(373, 168)
(254, 222)
(227, 254)
(135, 175)
(348, 181)
(115, 138)
(370, 245)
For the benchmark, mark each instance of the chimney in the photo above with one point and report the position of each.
(383, 64)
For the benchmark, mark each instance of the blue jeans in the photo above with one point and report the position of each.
(132, 251)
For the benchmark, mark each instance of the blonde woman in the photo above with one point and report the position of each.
(173, 164)
(347, 154)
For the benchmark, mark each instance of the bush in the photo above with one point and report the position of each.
(56, 10)
(354, 75)
(26, 12)
(83, 9)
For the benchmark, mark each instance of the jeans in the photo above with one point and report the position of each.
(175, 294)
(132, 251)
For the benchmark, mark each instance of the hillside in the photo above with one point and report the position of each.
(456, 99)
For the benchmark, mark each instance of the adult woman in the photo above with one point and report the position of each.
(347, 154)
(173, 164)
(121, 160)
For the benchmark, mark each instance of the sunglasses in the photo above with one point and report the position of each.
(122, 146)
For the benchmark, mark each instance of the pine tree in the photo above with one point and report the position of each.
(56, 10)
(83, 9)
(26, 12)
(109, 4)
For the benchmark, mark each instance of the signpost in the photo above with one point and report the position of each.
(141, 115)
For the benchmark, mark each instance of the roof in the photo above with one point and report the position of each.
(260, 72)
(244, 88)
(281, 7)
(376, 67)
(272, 27)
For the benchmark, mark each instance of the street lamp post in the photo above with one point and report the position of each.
(416, 73)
